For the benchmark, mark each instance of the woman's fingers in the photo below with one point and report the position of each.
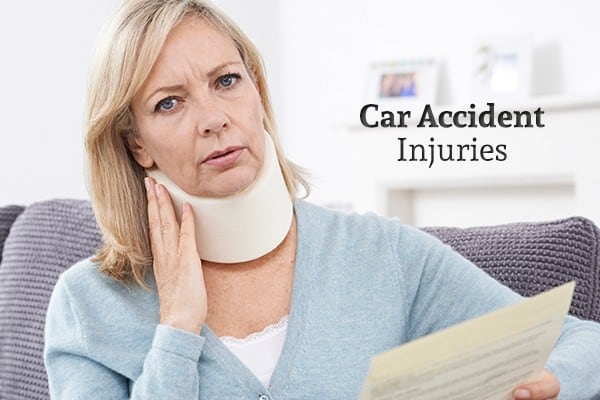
(153, 217)
(177, 266)
(169, 227)
(546, 387)
(187, 232)
(163, 225)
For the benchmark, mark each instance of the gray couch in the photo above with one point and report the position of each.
(40, 241)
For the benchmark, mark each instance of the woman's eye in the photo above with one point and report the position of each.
(228, 80)
(166, 104)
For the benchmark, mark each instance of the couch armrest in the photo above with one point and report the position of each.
(533, 257)
(8, 215)
(47, 238)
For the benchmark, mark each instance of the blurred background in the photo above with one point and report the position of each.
(319, 57)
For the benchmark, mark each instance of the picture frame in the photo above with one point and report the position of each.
(502, 68)
(405, 84)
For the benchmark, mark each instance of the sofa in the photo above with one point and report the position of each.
(40, 241)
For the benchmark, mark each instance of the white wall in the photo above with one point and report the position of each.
(45, 47)
(329, 46)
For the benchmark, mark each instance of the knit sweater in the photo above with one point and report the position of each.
(363, 284)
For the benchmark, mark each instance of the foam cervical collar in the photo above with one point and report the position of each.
(244, 226)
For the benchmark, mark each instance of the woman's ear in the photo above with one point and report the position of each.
(139, 152)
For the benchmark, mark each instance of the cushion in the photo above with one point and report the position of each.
(46, 239)
(7, 217)
(533, 257)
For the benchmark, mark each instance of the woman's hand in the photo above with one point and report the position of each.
(546, 387)
(177, 265)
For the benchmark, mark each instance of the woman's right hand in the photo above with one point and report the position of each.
(176, 263)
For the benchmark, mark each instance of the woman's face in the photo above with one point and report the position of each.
(198, 115)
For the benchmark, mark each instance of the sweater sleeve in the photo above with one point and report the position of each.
(576, 360)
(444, 288)
(74, 373)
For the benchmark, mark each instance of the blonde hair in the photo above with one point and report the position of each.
(126, 52)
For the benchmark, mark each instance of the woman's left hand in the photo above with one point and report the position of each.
(546, 387)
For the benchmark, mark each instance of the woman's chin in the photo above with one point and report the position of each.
(224, 186)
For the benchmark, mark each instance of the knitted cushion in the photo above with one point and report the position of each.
(533, 257)
(46, 239)
(7, 217)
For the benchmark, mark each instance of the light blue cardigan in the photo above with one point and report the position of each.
(362, 285)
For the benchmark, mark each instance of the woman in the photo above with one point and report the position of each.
(179, 123)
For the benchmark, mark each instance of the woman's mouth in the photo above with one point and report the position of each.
(224, 158)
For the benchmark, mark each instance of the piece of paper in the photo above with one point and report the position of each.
(483, 358)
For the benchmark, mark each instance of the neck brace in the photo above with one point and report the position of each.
(244, 226)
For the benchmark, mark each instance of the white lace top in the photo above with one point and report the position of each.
(260, 351)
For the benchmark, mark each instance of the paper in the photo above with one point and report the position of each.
(483, 358)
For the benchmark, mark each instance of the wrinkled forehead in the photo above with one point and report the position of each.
(197, 40)
(199, 37)
(195, 49)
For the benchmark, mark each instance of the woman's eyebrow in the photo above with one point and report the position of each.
(221, 66)
(171, 88)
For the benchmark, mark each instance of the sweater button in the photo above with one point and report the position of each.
(263, 397)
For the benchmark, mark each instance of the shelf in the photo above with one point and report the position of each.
(480, 200)
(476, 182)
(555, 103)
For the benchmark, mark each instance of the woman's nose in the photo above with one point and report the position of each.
(212, 118)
